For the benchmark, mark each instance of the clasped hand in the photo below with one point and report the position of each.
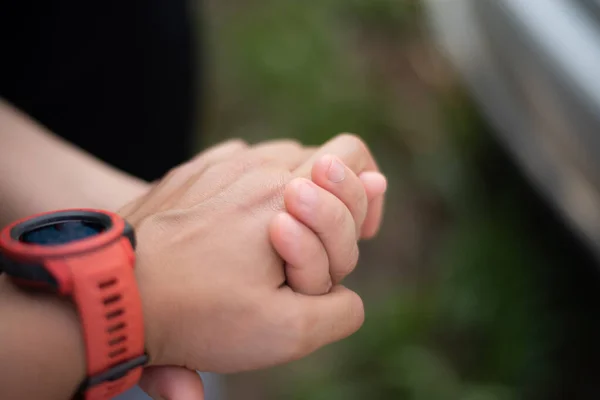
(241, 253)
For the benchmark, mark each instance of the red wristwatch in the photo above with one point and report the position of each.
(87, 255)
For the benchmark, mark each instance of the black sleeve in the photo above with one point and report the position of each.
(117, 78)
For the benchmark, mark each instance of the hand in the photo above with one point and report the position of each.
(212, 285)
(319, 242)
(311, 259)
(345, 185)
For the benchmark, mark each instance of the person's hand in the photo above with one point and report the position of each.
(308, 255)
(318, 241)
(212, 286)
(318, 251)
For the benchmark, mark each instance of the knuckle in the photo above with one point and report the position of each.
(278, 151)
(339, 216)
(291, 143)
(237, 143)
(356, 310)
(349, 263)
(264, 187)
(253, 161)
(277, 181)
(294, 142)
(354, 141)
(171, 173)
(179, 173)
(243, 165)
(271, 177)
(218, 153)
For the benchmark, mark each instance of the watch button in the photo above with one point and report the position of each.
(129, 233)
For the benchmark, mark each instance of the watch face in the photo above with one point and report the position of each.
(61, 232)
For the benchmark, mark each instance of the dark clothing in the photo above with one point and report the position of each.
(117, 78)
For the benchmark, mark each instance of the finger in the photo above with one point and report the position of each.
(332, 175)
(322, 320)
(307, 264)
(350, 149)
(172, 383)
(330, 219)
(355, 154)
(375, 185)
(289, 153)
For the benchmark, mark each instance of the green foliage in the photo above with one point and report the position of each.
(290, 66)
(389, 15)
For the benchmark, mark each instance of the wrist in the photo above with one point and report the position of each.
(85, 255)
(46, 343)
(47, 340)
(154, 336)
(157, 314)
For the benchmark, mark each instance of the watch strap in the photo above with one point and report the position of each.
(106, 295)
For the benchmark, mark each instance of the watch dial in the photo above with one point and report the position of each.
(61, 233)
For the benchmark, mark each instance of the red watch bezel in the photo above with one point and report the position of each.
(97, 273)
(10, 244)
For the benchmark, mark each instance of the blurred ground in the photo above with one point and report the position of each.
(469, 287)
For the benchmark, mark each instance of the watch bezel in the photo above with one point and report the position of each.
(41, 221)
(14, 248)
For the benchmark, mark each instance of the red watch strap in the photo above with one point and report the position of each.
(110, 309)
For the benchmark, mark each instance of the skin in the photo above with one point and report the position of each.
(317, 260)
(292, 235)
(34, 161)
(232, 205)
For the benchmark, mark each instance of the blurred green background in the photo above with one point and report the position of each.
(473, 289)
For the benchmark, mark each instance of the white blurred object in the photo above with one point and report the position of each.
(533, 67)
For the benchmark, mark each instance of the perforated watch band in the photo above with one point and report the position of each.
(106, 295)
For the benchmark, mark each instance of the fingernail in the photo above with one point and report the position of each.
(307, 194)
(336, 172)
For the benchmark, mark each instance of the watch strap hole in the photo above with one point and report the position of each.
(114, 314)
(117, 352)
(117, 340)
(107, 283)
(116, 327)
(112, 299)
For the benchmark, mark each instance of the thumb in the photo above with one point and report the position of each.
(172, 383)
(323, 319)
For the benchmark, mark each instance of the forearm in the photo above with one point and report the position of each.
(40, 172)
(42, 353)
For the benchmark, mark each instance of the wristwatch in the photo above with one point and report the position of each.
(88, 256)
